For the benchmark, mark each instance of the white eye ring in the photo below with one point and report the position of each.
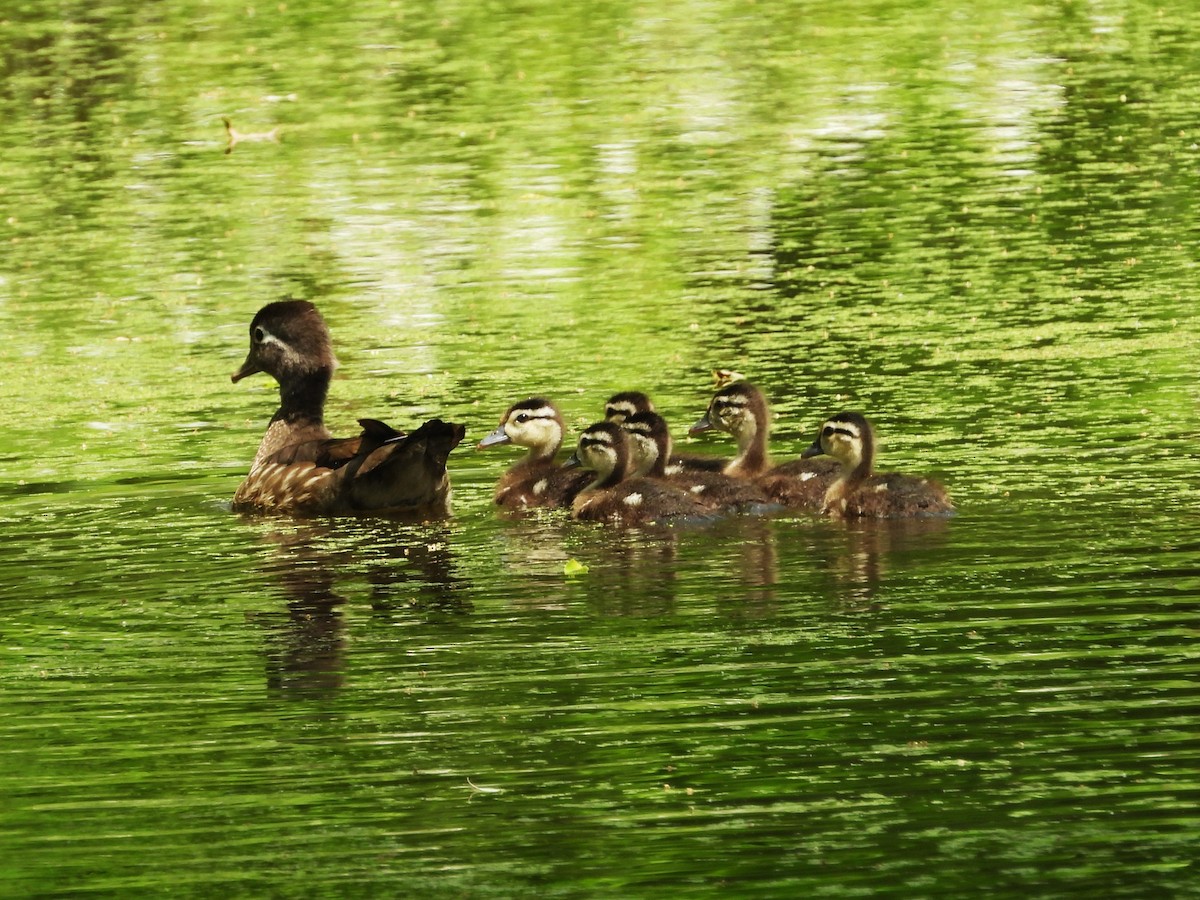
(259, 335)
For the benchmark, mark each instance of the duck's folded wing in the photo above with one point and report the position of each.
(404, 471)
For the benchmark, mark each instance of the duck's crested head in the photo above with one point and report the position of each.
(649, 443)
(288, 339)
(604, 448)
(738, 408)
(849, 438)
(622, 405)
(535, 423)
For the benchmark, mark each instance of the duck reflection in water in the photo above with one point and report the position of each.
(631, 572)
(859, 555)
(406, 569)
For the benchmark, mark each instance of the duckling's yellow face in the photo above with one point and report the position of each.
(598, 450)
(733, 412)
(533, 427)
(843, 440)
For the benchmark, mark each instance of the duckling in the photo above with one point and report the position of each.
(629, 403)
(624, 404)
(650, 448)
(849, 438)
(741, 409)
(614, 497)
(300, 469)
(536, 480)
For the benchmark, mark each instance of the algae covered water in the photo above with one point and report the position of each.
(973, 222)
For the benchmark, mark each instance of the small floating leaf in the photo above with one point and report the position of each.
(574, 567)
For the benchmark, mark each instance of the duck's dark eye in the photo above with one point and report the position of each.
(259, 334)
(827, 431)
(522, 417)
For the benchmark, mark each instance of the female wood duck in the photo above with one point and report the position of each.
(650, 448)
(614, 497)
(536, 480)
(741, 409)
(300, 469)
(849, 438)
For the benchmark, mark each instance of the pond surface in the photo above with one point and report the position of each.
(976, 222)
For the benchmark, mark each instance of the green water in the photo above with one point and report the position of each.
(975, 221)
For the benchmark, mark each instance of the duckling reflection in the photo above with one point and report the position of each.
(630, 573)
(305, 642)
(860, 556)
(754, 564)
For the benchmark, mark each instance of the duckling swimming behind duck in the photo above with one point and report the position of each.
(622, 406)
(613, 496)
(536, 480)
(650, 448)
(849, 438)
(300, 469)
(741, 409)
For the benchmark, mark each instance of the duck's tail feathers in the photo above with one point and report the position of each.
(404, 470)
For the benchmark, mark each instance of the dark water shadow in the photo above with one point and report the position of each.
(319, 565)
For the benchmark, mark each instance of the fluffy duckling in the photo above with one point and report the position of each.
(849, 438)
(630, 403)
(300, 469)
(741, 409)
(614, 497)
(535, 480)
(624, 404)
(650, 448)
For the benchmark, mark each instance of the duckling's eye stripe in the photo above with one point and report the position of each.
(848, 432)
(524, 415)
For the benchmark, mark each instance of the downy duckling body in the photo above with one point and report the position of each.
(858, 491)
(536, 480)
(741, 409)
(300, 469)
(620, 407)
(614, 497)
(650, 448)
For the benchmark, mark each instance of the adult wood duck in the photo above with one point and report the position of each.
(300, 469)
(650, 449)
(536, 480)
(859, 491)
(615, 497)
(741, 409)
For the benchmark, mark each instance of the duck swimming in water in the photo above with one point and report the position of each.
(650, 449)
(613, 496)
(620, 407)
(740, 409)
(859, 491)
(536, 480)
(300, 469)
